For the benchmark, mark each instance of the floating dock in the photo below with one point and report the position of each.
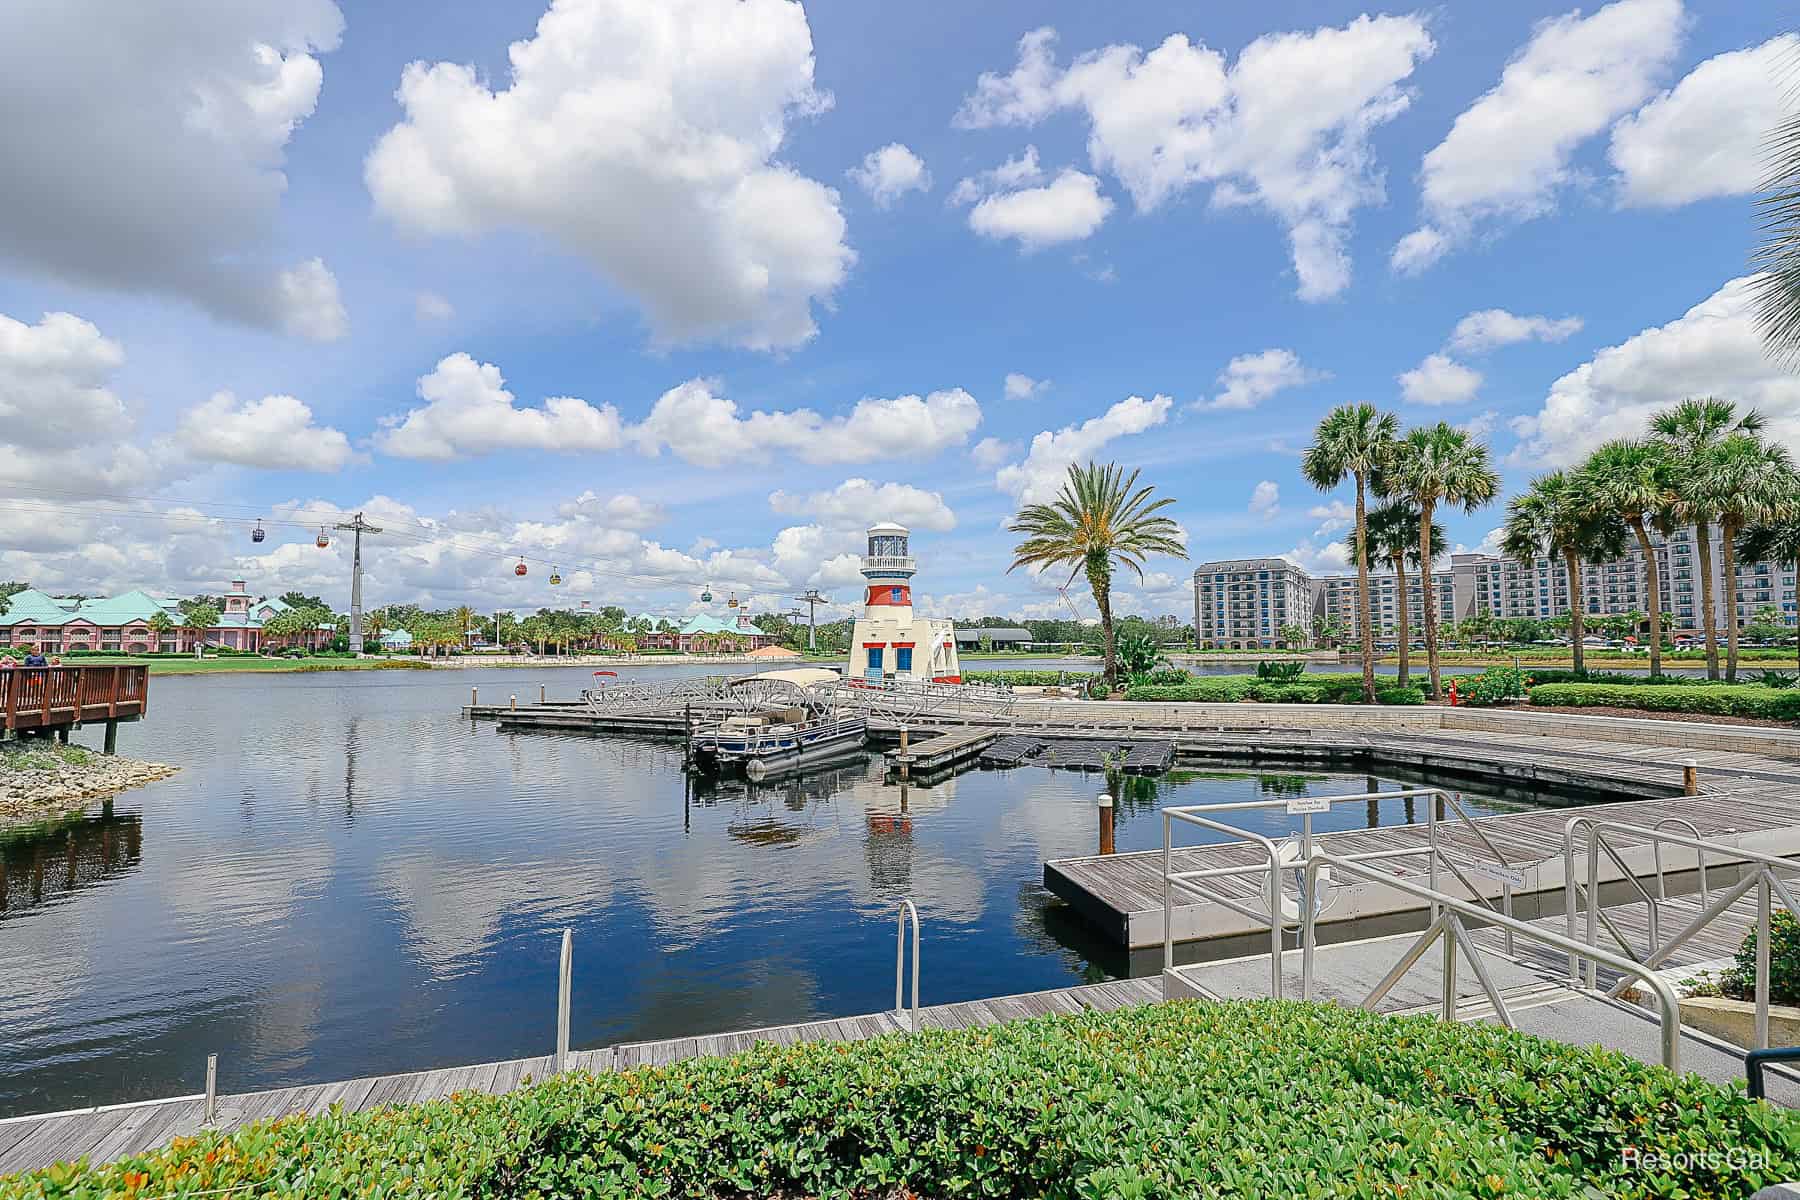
(1141, 756)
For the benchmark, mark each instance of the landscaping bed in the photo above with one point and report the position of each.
(42, 780)
(1714, 699)
(1264, 1099)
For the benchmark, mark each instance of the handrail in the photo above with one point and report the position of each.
(1757, 1060)
(1272, 864)
(1767, 884)
(1662, 890)
(907, 908)
(1452, 906)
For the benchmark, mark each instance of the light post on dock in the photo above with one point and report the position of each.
(356, 527)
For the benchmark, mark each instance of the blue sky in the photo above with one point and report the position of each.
(506, 304)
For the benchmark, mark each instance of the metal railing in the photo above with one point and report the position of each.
(909, 700)
(1436, 852)
(632, 696)
(1448, 924)
(907, 909)
(1761, 878)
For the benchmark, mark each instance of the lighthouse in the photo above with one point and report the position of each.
(888, 642)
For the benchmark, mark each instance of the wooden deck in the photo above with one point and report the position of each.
(36, 698)
(101, 1135)
(1122, 894)
(943, 751)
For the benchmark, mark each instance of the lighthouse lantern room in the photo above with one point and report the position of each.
(889, 642)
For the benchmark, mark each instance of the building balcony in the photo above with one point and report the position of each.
(889, 562)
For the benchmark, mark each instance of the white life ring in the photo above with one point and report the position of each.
(1290, 856)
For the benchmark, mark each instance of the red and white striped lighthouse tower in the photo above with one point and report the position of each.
(888, 642)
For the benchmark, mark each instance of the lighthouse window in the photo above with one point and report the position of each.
(895, 596)
(903, 658)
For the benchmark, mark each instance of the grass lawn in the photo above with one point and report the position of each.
(213, 666)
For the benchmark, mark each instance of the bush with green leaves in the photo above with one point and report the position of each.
(1189, 1099)
(1280, 672)
(1725, 700)
(1412, 693)
(1784, 961)
(1224, 689)
(1496, 685)
(1029, 678)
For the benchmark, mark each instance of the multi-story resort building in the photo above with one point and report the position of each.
(698, 634)
(55, 625)
(1244, 603)
(1235, 600)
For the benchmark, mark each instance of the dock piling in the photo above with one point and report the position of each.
(1106, 823)
(540, 693)
(111, 744)
(474, 699)
(1690, 777)
(514, 700)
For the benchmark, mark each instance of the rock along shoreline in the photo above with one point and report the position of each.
(44, 781)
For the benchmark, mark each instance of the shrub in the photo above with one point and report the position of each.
(1492, 686)
(1726, 700)
(1784, 960)
(1280, 672)
(1224, 689)
(1186, 1099)
(1028, 678)
(1411, 694)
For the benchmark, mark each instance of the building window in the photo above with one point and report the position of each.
(902, 658)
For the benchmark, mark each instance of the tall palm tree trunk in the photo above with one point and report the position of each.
(1577, 630)
(1709, 627)
(1653, 582)
(1405, 637)
(1425, 598)
(1728, 532)
(1363, 621)
(1100, 580)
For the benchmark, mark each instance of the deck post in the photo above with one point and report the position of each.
(474, 699)
(1106, 823)
(111, 745)
(1690, 777)
(563, 986)
(62, 734)
(540, 693)
(514, 700)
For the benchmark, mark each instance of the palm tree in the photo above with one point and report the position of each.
(1777, 285)
(1394, 538)
(1633, 478)
(1440, 464)
(1556, 518)
(1100, 516)
(1776, 541)
(1745, 479)
(1692, 430)
(464, 618)
(1354, 440)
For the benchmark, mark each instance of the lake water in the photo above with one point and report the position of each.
(346, 879)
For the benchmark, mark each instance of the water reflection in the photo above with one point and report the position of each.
(364, 883)
(44, 865)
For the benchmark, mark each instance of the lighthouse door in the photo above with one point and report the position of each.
(873, 674)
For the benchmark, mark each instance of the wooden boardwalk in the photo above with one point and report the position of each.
(100, 1135)
(941, 751)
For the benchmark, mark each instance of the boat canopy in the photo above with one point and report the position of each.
(798, 676)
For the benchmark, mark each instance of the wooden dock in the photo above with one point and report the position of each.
(943, 751)
(1146, 755)
(103, 1134)
(57, 699)
(1121, 895)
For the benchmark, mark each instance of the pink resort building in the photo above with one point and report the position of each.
(54, 625)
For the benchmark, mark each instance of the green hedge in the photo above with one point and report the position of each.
(1726, 700)
(1029, 678)
(1263, 1099)
(1216, 689)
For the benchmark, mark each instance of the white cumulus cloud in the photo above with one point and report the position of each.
(277, 433)
(1067, 209)
(468, 411)
(645, 139)
(1713, 349)
(858, 503)
(696, 423)
(1491, 328)
(1179, 116)
(990, 452)
(889, 173)
(1249, 379)
(1023, 387)
(1707, 136)
(1440, 379)
(143, 150)
(1039, 476)
(1506, 157)
(1265, 500)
